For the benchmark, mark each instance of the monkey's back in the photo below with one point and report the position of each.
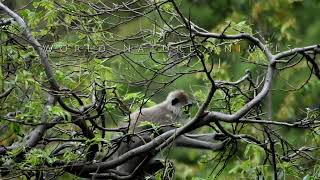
(158, 114)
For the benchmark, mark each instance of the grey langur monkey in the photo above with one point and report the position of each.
(165, 113)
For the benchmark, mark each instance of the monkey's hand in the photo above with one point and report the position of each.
(220, 145)
(219, 136)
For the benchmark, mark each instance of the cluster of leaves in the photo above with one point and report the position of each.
(85, 49)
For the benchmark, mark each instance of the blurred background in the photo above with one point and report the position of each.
(283, 24)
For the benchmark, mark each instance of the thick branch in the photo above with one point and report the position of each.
(293, 51)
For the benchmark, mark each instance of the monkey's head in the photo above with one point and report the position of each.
(177, 100)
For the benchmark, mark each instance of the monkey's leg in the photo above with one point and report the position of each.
(207, 137)
(185, 141)
(134, 165)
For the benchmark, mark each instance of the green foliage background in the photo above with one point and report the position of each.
(283, 24)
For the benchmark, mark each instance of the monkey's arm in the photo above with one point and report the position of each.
(185, 141)
(207, 137)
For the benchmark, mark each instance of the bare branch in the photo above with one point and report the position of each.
(6, 93)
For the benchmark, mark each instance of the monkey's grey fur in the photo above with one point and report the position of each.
(167, 112)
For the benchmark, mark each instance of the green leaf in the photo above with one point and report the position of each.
(37, 157)
(70, 156)
(15, 127)
(132, 96)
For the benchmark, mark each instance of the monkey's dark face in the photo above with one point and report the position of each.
(179, 102)
(174, 101)
(178, 97)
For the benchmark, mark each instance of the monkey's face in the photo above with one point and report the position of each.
(178, 102)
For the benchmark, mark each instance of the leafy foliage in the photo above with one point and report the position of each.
(130, 56)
